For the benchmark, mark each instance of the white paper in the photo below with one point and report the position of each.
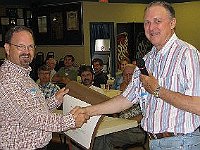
(82, 135)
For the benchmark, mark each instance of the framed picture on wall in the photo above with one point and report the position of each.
(56, 25)
(4, 21)
(20, 22)
(20, 13)
(72, 20)
(28, 14)
(42, 24)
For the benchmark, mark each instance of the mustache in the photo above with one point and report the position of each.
(24, 55)
(86, 80)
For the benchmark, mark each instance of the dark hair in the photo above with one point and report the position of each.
(164, 4)
(44, 68)
(85, 68)
(70, 56)
(97, 60)
(16, 29)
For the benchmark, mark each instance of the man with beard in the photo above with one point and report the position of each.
(26, 121)
(87, 78)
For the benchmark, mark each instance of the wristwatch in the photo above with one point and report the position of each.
(156, 92)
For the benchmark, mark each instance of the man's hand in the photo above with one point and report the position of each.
(150, 83)
(60, 94)
(80, 115)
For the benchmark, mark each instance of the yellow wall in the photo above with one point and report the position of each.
(108, 12)
(188, 20)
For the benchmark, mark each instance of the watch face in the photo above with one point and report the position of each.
(156, 92)
(156, 95)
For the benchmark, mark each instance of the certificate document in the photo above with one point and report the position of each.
(84, 135)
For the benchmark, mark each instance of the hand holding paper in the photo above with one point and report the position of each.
(60, 94)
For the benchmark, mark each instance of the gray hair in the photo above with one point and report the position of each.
(164, 4)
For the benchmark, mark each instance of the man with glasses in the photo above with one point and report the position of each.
(26, 121)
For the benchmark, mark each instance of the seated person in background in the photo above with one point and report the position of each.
(66, 73)
(130, 136)
(99, 76)
(87, 78)
(119, 77)
(48, 88)
(127, 76)
(51, 63)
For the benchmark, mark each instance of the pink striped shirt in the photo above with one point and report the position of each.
(177, 67)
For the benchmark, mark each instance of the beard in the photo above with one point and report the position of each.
(87, 82)
(25, 60)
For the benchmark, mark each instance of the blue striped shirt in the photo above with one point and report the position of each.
(177, 67)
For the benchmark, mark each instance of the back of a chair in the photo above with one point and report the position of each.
(50, 55)
(60, 64)
(39, 59)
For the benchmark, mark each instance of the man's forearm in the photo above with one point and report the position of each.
(114, 105)
(181, 101)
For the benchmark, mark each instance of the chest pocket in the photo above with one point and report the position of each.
(176, 83)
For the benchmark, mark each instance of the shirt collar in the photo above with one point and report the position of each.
(166, 46)
(16, 68)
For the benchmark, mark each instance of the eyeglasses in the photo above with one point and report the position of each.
(22, 47)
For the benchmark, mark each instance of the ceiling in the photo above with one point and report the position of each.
(43, 2)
